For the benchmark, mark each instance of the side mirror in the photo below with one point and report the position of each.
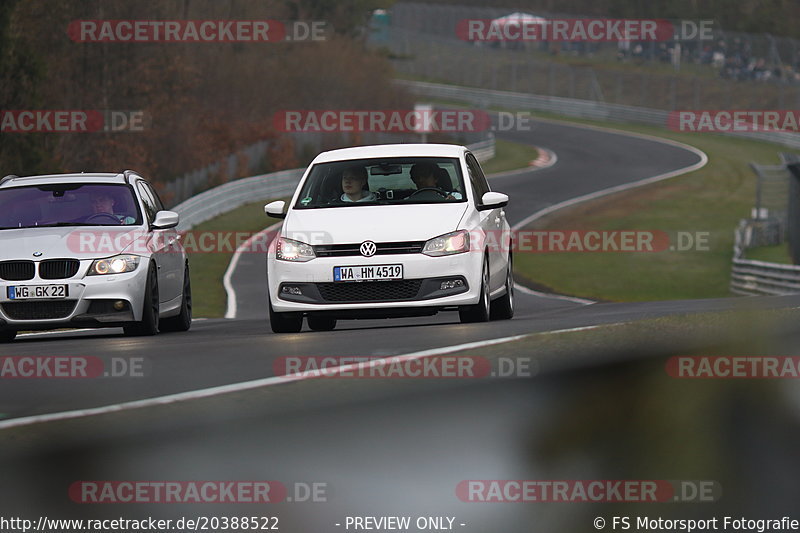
(493, 200)
(166, 220)
(276, 209)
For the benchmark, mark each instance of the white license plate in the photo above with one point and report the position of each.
(33, 292)
(367, 273)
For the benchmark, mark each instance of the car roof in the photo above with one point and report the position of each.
(79, 177)
(391, 150)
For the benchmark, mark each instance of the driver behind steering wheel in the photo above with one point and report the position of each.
(103, 204)
(424, 177)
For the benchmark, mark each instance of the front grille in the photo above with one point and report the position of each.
(370, 291)
(58, 268)
(383, 248)
(39, 310)
(17, 270)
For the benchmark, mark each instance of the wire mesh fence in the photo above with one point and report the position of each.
(423, 43)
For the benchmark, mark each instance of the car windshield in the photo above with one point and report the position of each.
(392, 180)
(68, 204)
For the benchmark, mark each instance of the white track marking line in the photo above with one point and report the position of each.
(625, 186)
(552, 159)
(611, 190)
(574, 299)
(263, 382)
(230, 292)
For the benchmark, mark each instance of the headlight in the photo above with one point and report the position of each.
(114, 265)
(448, 244)
(289, 250)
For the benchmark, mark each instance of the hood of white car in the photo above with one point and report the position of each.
(380, 223)
(38, 244)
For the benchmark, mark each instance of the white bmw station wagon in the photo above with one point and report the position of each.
(90, 250)
(390, 231)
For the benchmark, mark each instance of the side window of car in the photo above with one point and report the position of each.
(148, 201)
(159, 205)
(479, 184)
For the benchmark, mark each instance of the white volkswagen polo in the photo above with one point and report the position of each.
(390, 231)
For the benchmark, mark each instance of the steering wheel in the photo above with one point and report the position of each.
(440, 192)
(91, 218)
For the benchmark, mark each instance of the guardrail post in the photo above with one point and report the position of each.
(793, 214)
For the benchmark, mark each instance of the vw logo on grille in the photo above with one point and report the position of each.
(37, 254)
(368, 248)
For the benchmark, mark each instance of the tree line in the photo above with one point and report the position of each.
(202, 100)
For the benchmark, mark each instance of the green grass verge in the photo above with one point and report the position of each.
(711, 200)
(510, 156)
(773, 254)
(207, 269)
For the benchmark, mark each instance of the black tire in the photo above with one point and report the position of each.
(7, 335)
(284, 322)
(182, 321)
(503, 307)
(321, 323)
(481, 310)
(150, 313)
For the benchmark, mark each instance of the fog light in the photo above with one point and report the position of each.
(289, 289)
(451, 284)
(119, 305)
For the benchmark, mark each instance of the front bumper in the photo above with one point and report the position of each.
(90, 302)
(420, 287)
(407, 290)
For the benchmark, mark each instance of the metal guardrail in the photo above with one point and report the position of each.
(759, 278)
(229, 196)
(554, 104)
(484, 150)
(573, 107)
